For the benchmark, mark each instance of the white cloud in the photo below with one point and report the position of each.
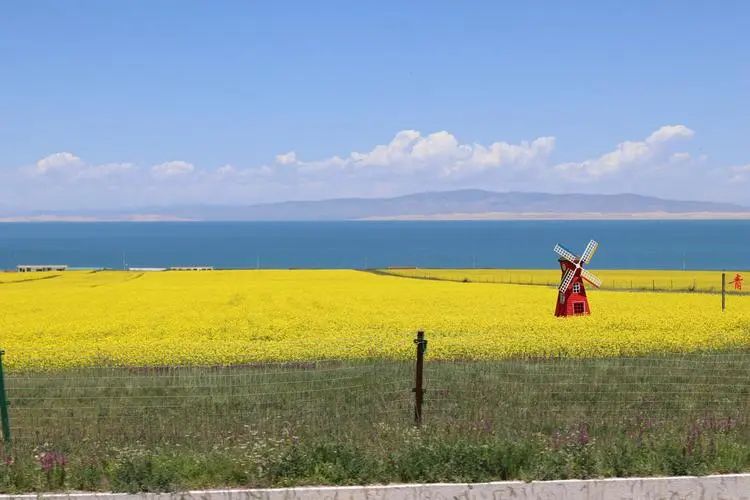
(500, 153)
(230, 173)
(287, 158)
(410, 162)
(398, 151)
(170, 169)
(440, 153)
(106, 170)
(739, 173)
(226, 170)
(680, 157)
(58, 162)
(669, 132)
(629, 154)
(68, 167)
(438, 147)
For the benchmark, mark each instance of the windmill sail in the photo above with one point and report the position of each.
(567, 279)
(565, 254)
(589, 252)
(591, 278)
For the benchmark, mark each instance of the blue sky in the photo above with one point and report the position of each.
(111, 104)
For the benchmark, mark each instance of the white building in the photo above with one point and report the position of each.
(40, 268)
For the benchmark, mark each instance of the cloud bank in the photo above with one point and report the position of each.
(631, 154)
(411, 161)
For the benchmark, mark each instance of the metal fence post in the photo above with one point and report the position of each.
(419, 378)
(4, 404)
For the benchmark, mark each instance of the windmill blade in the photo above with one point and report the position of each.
(591, 278)
(565, 254)
(566, 280)
(589, 252)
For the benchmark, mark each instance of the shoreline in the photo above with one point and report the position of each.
(482, 216)
(511, 216)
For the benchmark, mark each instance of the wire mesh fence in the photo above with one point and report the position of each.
(166, 403)
(684, 281)
(615, 394)
(343, 397)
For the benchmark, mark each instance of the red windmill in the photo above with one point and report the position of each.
(571, 299)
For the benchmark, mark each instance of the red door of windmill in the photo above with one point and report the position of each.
(571, 294)
(573, 301)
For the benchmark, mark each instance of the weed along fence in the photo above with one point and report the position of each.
(573, 398)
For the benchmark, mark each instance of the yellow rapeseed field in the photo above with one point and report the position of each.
(224, 317)
(12, 277)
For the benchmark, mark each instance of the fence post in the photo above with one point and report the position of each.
(419, 378)
(723, 291)
(4, 404)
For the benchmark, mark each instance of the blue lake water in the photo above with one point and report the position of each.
(510, 244)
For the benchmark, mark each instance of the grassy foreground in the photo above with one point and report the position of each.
(350, 422)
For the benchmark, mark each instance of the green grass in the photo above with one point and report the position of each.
(334, 422)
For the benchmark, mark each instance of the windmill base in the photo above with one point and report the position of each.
(572, 304)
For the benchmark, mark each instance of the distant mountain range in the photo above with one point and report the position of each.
(446, 205)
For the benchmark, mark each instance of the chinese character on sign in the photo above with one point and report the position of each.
(737, 281)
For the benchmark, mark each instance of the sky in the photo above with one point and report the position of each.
(108, 105)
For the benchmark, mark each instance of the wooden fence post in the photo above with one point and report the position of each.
(723, 291)
(419, 378)
(4, 405)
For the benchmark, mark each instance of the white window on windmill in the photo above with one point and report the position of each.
(576, 288)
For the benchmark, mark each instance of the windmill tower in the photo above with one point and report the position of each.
(571, 297)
